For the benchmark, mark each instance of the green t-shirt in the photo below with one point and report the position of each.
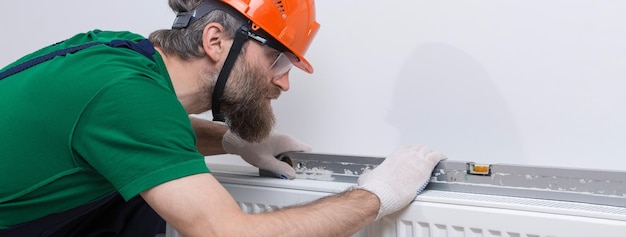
(82, 126)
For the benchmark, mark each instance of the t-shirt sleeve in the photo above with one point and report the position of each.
(137, 135)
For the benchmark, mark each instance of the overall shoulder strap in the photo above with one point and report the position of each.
(144, 47)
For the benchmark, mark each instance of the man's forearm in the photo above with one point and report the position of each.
(198, 205)
(337, 215)
(209, 136)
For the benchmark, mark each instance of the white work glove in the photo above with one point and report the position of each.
(263, 154)
(400, 177)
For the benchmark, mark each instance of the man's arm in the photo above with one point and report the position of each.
(198, 205)
(209, 136)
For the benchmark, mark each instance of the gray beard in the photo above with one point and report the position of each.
(244, 106)
(251, 121)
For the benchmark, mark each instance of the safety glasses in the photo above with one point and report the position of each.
(283, 59)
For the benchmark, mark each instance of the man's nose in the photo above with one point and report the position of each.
(282, 81)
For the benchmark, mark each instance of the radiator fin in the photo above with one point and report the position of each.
(255, 208)
(411, 228)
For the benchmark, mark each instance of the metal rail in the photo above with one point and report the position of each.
(602, 187)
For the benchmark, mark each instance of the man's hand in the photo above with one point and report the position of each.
(401, 176)
(263, 154)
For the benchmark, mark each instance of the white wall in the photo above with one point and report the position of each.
(524, 82)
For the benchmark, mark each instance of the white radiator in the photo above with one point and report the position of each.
(441, 213)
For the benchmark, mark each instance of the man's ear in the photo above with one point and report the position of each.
(215, 41)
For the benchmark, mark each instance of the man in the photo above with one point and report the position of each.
(96, 138)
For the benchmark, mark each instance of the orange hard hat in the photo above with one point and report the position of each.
(290, 22)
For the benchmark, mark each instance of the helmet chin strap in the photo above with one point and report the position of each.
(240, 37)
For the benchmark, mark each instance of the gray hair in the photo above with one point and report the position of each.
(187, 42)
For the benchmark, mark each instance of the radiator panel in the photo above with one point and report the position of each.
(443, 214)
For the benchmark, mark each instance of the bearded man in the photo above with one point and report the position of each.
(97, 138)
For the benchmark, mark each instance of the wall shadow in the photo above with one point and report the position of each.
(444, 98)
